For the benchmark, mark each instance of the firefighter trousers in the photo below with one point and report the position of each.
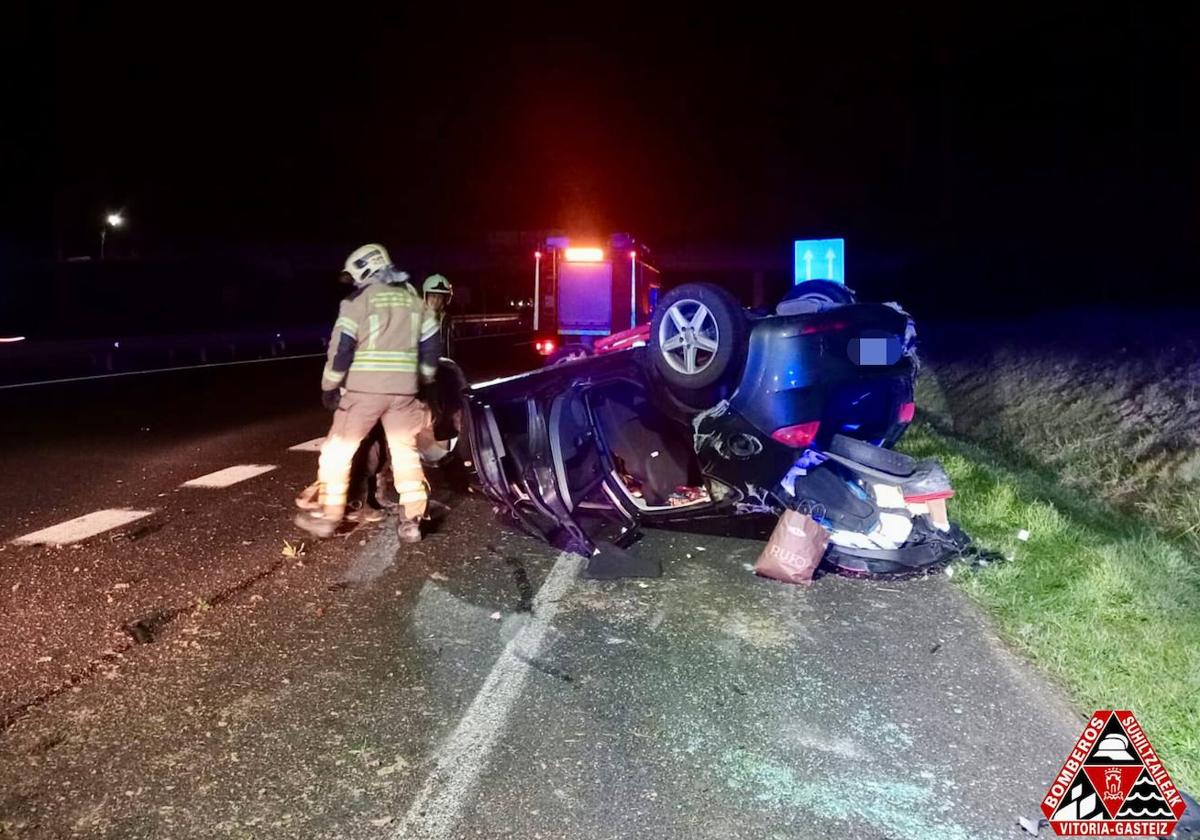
(403, 417)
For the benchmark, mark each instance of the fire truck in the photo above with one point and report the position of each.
(591, 296)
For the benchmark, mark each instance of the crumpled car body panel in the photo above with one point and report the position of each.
(552, 459)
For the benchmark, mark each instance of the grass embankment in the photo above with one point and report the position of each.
(1107, 602)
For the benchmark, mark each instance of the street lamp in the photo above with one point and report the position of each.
(112, 220)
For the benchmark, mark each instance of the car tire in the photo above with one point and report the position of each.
(698, 337)
(566, 354)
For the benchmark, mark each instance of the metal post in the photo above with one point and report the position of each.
(633, 289)
(103, 235)
(537, 287)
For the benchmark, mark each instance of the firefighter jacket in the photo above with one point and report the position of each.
(385, 341)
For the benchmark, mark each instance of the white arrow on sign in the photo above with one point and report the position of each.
(808, 258)
(830, 256)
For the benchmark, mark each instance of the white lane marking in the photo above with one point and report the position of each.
(83, 527)
(230, 475)
(313, 445)
(434, 812)
(158, 370)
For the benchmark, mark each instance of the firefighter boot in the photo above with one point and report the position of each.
(309, 497)
(385, 490)
(317, 523)
(409, 530)
(360, 512)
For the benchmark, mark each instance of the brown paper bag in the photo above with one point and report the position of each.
(794, 550)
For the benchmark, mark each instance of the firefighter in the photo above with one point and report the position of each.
(370, 471)
(437, 293)
(385, 344)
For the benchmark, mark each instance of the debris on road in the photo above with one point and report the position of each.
(1033, 826)
(400, 764)
(1023, 535)
(292, 550)
(794, 549)
(610, 561)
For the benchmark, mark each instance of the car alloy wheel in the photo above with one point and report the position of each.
(688, 337)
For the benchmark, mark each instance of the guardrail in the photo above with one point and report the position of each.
(29, 361)
(486, 343)
(33, 361)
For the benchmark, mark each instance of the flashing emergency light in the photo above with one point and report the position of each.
(537, 255)
(544, 347)
(584, 254)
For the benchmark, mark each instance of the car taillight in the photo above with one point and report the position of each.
(545, 347)
(828, 326)
(798, 436)
(906, 413)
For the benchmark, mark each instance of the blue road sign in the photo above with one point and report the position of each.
(820, 259)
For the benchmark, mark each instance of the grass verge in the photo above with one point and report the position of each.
(1103, 601)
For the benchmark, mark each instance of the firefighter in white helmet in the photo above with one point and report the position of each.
(437, 292)
(385, 344)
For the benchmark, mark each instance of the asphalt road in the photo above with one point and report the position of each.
(470, 686)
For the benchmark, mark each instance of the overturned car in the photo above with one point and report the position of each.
(722, 412)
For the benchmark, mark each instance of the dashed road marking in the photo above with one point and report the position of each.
(230, 475)
(89, 525)
(313, 445)
(435, 811)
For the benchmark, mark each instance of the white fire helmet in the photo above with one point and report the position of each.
(366, 261)
(436, 284)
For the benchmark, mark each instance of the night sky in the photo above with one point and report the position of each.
(1020, 145)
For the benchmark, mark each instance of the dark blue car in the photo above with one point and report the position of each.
(723, 412)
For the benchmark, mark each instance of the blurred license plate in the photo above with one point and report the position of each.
(875, 350)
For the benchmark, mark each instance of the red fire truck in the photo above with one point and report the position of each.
(591, 296)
